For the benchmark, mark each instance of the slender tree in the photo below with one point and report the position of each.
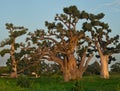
(103, 43)
(14, 33)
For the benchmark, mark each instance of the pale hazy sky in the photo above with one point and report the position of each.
(33, 13)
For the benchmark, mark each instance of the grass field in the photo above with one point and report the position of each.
(87, 83)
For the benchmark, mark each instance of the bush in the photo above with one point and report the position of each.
(78, 86)
(115, 67)
(93, 69)
(23, 82)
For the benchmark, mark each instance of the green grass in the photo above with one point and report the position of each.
(87, 83)
(93, 83)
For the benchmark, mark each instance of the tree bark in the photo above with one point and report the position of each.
(104, 67)
(70, 70)
(13, 63)
(72, 74)
(14, 71)
(104, 72)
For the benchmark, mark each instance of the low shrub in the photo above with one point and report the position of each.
(78, 86)
(23, 82)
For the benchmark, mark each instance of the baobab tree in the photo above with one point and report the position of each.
(103, 43)
(14, 33)
(64, 44)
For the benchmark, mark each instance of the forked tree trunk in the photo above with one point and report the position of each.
(70, 70)
(104, 67)
(72, 74)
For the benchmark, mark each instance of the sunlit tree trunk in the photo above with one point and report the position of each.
(104, 67)
(70, 69)
(71, 74)
(104, 72)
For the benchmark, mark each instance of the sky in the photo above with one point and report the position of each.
(32, 14)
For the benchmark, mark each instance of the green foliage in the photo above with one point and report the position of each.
(117, 50)
(5, 42)
(93, 17)
(4, 51)
(72, 10)
(18, 33)
(50, 25)
(87, 83)
(93, 69)
(49, 69)
(23, 82)
(4, 69)
(84, 15)
(118, 46)
(9, 26)
(17, 45)
(115, 67)
(87, 26)
(78, 86)
(15, 31)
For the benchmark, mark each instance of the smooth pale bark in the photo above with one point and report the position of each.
(104, 72)
(104, 67)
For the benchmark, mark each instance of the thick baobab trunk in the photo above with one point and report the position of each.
(71, 74)
(104, 67)
(66, 75)
(70, 70)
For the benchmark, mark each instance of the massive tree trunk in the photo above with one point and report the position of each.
(70, 70)
(70, 74)
(104, 67)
